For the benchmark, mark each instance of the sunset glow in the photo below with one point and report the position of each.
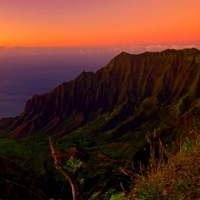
(99, 23)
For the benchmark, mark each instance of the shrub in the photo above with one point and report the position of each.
(178, 178)
(119, 196)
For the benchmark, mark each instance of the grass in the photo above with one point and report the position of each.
(176, 178)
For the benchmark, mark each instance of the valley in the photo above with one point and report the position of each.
(103, 119)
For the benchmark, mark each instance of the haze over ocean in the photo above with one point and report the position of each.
(23, 76)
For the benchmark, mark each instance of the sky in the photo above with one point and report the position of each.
(46, 42)
(89, 23)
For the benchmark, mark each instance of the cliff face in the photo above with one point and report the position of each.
(135, 88)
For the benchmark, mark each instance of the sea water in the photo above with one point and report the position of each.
(23, 76)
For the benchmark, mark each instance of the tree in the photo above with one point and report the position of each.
(66, 172)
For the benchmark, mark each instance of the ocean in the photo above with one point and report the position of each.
(23, 76)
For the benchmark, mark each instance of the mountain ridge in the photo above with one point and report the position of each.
(127, 79)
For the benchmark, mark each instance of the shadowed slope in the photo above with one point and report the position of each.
(14, 184)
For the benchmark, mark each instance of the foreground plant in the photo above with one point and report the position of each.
(178, 178)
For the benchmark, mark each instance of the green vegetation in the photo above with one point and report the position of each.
(111, 194)
(117, 197)
(30, 154)
(100, 167)
(178, 178)
(73, 165)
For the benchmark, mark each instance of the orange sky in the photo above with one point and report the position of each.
(99, 23)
